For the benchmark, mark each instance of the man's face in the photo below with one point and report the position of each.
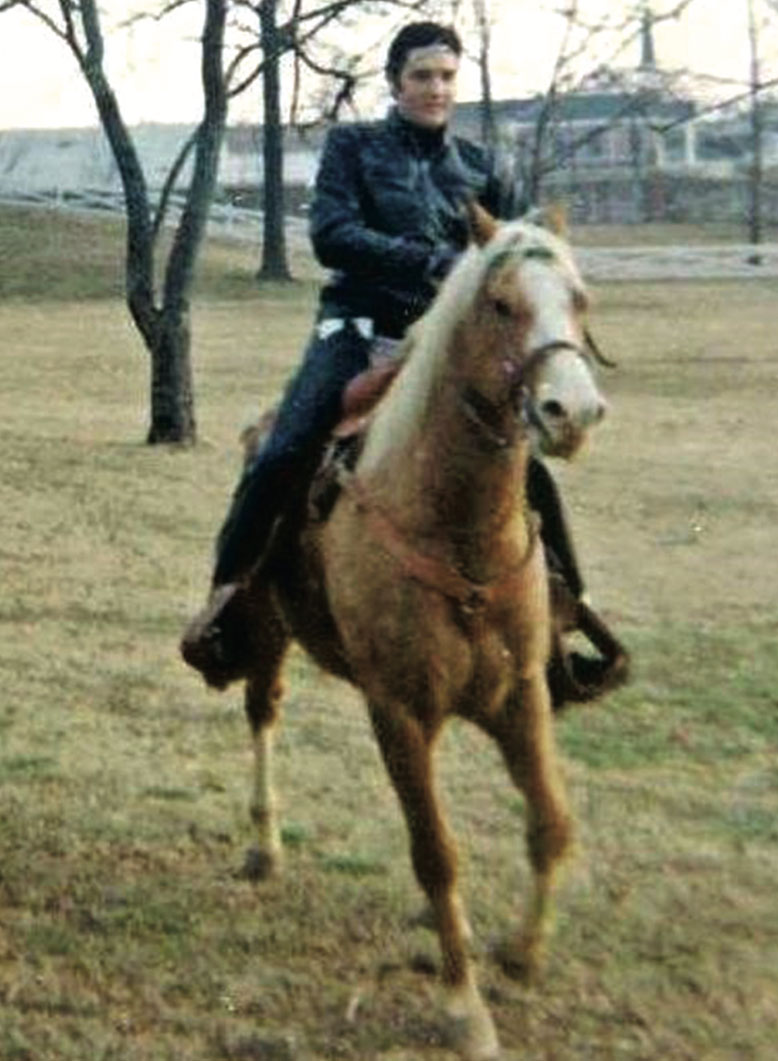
(426, 88)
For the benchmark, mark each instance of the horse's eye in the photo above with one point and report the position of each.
(501, 308)
(580, 301)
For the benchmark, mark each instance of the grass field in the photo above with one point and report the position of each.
(126, 932)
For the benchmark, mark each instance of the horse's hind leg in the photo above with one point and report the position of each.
(407, 752)
(524, 732)
(262, 702)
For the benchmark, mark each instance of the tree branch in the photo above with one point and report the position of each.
(720, 105)
(312, 21)
(70, 34)
(347, 78)
(170, 182)
(155, 16)
(38, 13)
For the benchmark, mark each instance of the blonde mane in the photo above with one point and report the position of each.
(427, 343)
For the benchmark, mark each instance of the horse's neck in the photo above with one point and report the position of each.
(426, 467)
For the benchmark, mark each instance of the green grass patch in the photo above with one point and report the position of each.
(698, 695)
(352, 865)
(294, 834)
(28, 768)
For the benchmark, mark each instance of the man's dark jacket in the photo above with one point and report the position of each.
(387, 216)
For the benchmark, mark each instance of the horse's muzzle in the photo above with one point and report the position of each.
(563, 403)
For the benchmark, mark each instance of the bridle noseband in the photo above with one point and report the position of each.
(488, 417)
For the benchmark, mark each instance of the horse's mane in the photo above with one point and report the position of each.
(429, 339)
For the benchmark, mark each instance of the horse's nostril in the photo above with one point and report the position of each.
(602, 409)
(553, 409)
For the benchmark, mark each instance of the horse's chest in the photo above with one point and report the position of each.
(503, 649)
(491, 674)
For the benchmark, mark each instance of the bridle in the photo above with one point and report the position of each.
(487, 417)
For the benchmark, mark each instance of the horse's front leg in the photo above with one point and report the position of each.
(525, 734)
(263, 694)
(263, 859)
(407, 752)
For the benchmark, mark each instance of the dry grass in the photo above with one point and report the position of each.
(124, 930)
(664, 233)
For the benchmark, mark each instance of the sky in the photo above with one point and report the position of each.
(156, 76)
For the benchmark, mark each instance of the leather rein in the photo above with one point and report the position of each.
(429, 570)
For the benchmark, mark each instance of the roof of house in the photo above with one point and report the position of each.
(587, 106)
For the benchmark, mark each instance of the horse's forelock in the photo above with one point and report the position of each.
(513, 241)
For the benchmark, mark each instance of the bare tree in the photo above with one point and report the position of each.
(161, 316)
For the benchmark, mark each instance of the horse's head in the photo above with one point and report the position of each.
(529, 357)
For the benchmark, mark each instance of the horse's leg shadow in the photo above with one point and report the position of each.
(525, 735)
(263, 692)
(407, 752)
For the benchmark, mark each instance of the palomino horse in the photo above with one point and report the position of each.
(427, 587)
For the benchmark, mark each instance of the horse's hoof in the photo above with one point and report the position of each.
(259, 865)
(471, 1030)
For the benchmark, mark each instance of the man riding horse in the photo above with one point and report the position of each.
(388, 219)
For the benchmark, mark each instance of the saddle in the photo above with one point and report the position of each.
(360, 399)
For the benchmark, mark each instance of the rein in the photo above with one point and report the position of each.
(431, 571)
(596, 352)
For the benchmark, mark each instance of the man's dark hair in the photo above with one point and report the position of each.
(418, 35)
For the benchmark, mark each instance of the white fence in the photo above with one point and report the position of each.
(224, 219)
(62, 161)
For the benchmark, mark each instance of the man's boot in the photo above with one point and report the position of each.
(572, 676)
(216, 642)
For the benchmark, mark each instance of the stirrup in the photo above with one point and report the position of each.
(574, 678)
(577, 678)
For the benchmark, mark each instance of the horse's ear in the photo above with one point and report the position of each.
(481, 223)
(557, 219)
(552, 216)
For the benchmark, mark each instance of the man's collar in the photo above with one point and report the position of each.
(424, 140)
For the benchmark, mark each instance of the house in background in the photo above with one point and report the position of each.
(630, 119)
(633, 146)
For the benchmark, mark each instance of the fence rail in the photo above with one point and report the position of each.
(226, 219)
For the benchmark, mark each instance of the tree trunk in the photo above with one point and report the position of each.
(172, 391)
(274, 258)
